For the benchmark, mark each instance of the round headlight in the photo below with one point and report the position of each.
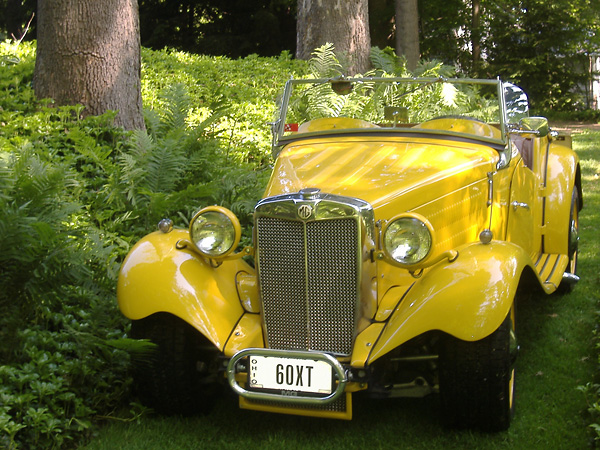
(408, 240)
(215, 231)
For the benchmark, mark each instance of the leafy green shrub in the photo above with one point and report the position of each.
(592, 394)
(177, 166)
(75, 193)
(582, 115)
(57, 281)
(16, 73)
(60, 381)
(57, 268)
(250, 87)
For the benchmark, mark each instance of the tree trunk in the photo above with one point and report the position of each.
(88, 53)
(345, 24)
(476, 36)
(407, 32)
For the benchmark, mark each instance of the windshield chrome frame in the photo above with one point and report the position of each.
(278, 127)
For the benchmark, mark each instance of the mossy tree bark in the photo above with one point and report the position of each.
(89, 53)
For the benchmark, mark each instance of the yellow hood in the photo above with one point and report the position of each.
(383, 170)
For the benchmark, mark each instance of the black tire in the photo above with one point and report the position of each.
(180, 375)
(477, 380)
(566, 287)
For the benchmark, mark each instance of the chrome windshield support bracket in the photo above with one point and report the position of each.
(505, 157)
(486, 235)
(490, 176)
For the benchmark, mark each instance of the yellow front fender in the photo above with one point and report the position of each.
(468, 298)
(563, 170)
(158, 277)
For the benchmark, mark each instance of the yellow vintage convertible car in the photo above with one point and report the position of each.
(401, 220)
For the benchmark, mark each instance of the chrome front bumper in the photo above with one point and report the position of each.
(236, 367)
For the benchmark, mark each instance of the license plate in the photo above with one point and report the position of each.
(290, 374)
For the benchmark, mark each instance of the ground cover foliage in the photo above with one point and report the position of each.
(76, 193)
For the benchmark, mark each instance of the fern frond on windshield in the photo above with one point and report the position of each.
(325, 63)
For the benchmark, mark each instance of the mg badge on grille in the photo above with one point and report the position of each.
(304, 212)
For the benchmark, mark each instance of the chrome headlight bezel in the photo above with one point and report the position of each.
(215, 232)
(408, 240)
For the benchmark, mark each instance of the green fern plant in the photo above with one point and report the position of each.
(325, 63)
(171, 156)
(319, 100)
(150, 167)
(386, 63)
(368, 100)
(177, 107)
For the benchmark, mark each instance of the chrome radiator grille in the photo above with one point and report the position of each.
(309, 282)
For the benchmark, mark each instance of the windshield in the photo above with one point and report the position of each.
(466, 107)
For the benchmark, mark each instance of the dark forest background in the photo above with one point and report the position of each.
(514, 39)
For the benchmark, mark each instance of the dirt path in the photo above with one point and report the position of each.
(575, 126)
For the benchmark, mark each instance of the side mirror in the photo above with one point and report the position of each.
(396, 114)
(534, 125)
(342, 87)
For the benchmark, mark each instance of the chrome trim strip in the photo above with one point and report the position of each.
(285, 206)
(338, 369)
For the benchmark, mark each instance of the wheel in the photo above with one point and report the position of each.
(477, 379)
(179, 376)
(567, 286)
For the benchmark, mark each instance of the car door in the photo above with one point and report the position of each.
(525, 215)
(525, 204)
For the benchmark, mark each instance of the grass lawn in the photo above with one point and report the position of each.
(558, 354)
